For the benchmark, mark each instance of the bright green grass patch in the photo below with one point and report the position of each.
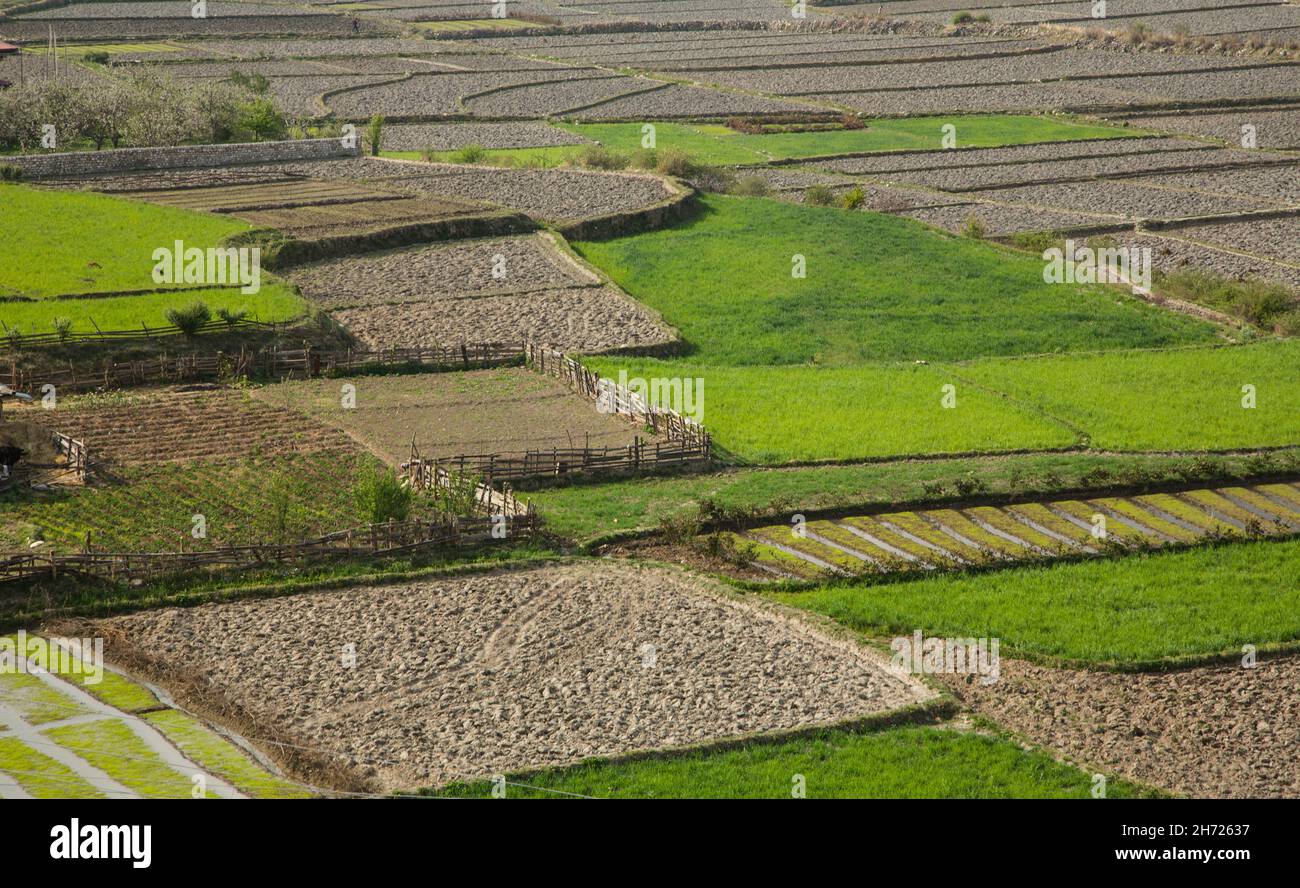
(877, 288)
(908, 762)
(587, 511)
(1135, 609)
(36, 702)
(41, 776)
(1190, 398)
(150, 508)
(801, 413)
(274, 302)
(82, 242)
(116, 690)
(114, 748)
(218, 756)
(722, 145)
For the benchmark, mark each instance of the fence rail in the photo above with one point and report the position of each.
(485, 499)
(637, 456)
(610, 397)
(372, 539)
(275, 363)
(13, 339)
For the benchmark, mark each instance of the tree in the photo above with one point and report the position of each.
(261, 120)
(375, 134)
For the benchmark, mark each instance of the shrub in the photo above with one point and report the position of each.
(261, 120)
(63, 327)
(675, 162)
(973, 229)
(190, 319)
(97, 57)
(375, 134)
(381, 496)
(719, 180)
(1259, 302)
(10, 172)
(1287, 323)
(962, 18)
(854, 198)
(231, 317)
(598, 157)
(852, 122)
(468, 154)
(1036, 241)
(751, 186)
(645, 159)
(254, 83)
(819, 196)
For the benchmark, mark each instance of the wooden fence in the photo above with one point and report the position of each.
(272, 363)
(610, 397)
(74, 452)
(11, 338)
(484, 499)
(637, 456)
(372, 539)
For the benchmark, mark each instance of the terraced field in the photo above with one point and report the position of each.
(984, 535)
(83, 735)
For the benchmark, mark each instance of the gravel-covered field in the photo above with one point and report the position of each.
(1000, 220)
(545, 99)
(556, 195)
(1218, 731)
(448, 136)
(1273, 128)
(941, 159)
(1122, 198)
(427, 95)
(1269, 184)
(1276, 239)
(688, 101)
(165, 9)
(492, 673)
(355, 218)
(1170, 254)
(224, 26)
(574, 320)
(447, 270)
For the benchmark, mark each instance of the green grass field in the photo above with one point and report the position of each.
(1190, 398)
(907, 762)
(880, 291)
(1134, 610)
(878, 288)
(717, 144)
(88, 243)
(801, 413)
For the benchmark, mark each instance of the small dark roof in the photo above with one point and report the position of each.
(8, 47)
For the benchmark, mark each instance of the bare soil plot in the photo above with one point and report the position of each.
(1172, 254)
(356, 218)
(1046, 152)
(436, 94)
(554, 195)
(486, 674)
(545, 99)
(1215, 731)
(188, 423)
(1122, 198)
(453, 414)
(688, 101)
(224, 26)
(449, 136)
(321, 48)
(1271, 184)
(1075, 95)
(163, 9)
(262, 195)
(456, 269)
(1100, 167)
(1274, 239)
(304, 95)
(999, 220)
(163, 180)
(582, 319)
(1273, 128)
